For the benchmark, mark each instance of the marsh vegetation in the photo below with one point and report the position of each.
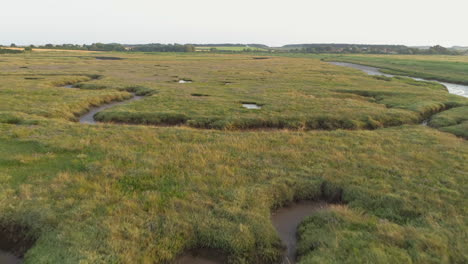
(190, 173)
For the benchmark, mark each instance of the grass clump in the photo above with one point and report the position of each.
(343, 235)
(140, 90)
(454, 121)
(89, 86)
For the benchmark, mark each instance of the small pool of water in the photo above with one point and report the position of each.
(69, 86)
(251, 106)
(7, 258)
(185, 81)
(202, 256)
(453, 88)
(190, 259)
(287, 219)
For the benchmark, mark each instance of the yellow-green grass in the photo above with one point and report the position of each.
(114, 193)
(126, 194)
(295, 93)
(454, 121)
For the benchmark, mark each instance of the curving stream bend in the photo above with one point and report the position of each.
(287, 219)
(88, 118)
(452, 88)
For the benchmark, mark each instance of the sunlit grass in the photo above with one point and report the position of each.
(114, 193)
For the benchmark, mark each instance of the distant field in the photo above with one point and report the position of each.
(197, 170)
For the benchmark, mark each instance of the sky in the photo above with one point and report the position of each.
(270, 22)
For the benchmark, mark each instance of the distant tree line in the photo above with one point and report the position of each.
(156, 47)
(260, 46)
(93, 47)
(119, 47)
(365, 49)
(295, 48)
(10, 51)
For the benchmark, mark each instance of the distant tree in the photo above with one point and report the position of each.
(439, 50)
(28, 49)
(13, 45)
(189, 48)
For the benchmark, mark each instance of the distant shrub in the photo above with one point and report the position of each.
(140, 90)
(10, 51)
(89, 86)
(382, 78)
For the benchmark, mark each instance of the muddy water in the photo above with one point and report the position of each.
(88, 118)
(7, 258)
(287, 219)
(452, 88)
(202, 257)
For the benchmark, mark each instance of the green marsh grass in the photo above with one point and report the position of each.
(113, 193)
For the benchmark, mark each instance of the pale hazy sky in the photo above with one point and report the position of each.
(271, 22)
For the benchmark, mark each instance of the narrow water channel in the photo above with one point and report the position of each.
(287, 219)
(453, 88)
(88, 118)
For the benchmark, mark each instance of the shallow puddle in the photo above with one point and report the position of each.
(69, 86)
(7, 258)
(88, 118)
(202, 256)
(453, 88)
(108, 58)
(189, 259)
(251, 106)
(199, 95)
(287, 219)
(185, 81)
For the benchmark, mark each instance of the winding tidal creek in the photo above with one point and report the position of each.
(88, 118)
(453, 88)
